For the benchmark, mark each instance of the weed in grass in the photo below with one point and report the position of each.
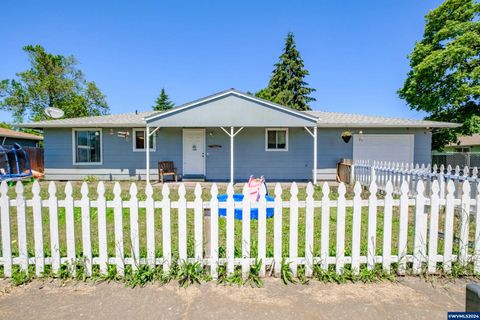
(20, 277)
(233, 279)
(140, 277)
(301, 275)
(253, 278)
(286, 273)
(190, 273)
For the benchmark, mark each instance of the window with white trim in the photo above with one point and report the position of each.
(276, 139)
(139, 140)
(88, 146)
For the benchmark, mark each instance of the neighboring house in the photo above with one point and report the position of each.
(465, 144)
(9, 137)
(268, 139)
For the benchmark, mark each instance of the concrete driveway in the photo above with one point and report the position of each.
(410, 298)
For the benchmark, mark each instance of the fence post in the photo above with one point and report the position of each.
(38, 229)
(476, 254)
(420, 237)
(356, 227)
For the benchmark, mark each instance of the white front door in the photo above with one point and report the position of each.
(194, 152)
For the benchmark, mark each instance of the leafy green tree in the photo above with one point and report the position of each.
(445, 70)
(287, 85)
(163, 102)
(52, 81)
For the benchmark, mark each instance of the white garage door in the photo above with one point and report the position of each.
(383, 147)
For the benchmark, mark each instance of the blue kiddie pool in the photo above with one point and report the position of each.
(238, 197)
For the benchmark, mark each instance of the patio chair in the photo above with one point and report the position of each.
(166, 168)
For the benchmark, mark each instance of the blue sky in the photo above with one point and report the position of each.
(355, 50)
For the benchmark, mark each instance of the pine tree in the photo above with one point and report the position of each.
(163, 102)
(287, 85)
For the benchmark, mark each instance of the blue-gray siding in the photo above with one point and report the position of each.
(120, 162)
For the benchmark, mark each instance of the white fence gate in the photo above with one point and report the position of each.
(427, 213)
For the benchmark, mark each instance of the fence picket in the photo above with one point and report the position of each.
(448, 229)
(230, 250)
(372, 225)
(387, 227)
(118, 226)
(476, 254)
(38, 229)
(340, 250)
(70, 227)
(293, 247)
(198, 222)
(277, 230)
(325, 226)
(246, 231)
(102, 228)
(182, 224)
(22, 227)
(86, 233)
(6, 229)
(464, 223)
(150, 221)
(309, 230)
(262, 230)
(134, 235)
(53, 215)
(356, 227)
(433, 230)
(420, 237)
(166, 236)
(214, 231)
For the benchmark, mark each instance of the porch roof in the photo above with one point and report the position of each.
(231, 108)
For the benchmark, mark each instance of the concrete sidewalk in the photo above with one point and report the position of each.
(410, 298)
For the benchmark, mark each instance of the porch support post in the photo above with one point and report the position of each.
(315, 155)
(147, 153)
(232, 135)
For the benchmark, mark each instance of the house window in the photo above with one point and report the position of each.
(139, 140)
(462, 149)
(87, 146)
(276, 139)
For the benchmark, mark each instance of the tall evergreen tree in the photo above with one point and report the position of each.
(287, 85)
(444, 79)
(163, 102)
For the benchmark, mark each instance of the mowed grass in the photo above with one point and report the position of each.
(222, 223)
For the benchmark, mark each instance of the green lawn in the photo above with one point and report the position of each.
(222, 224)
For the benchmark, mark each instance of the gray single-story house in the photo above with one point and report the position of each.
(228, 136)
(8, 137)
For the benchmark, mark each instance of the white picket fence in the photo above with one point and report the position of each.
(383, 171)
(427, 212)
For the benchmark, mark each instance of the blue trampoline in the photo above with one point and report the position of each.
(14, 163)
(238, 197)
